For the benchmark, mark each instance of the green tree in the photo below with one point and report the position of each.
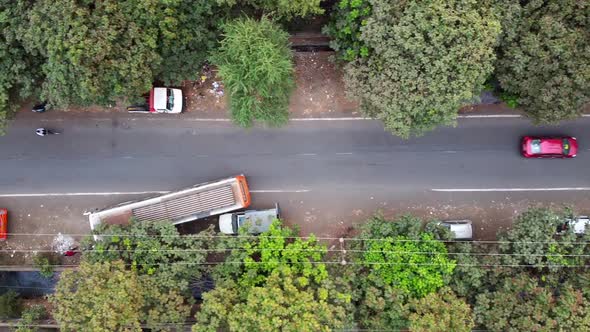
(379, 306)
(152, 248)
(522, 304)
(532, 241)
(19, 69)
(286, 302)
(107, 297)
(425, 60)
(278, 247)
(418, 266)
(98, 51)
(98, 297)
(544, 58)
(441, 311)
(255, 63)
(348, 17)
(280, 8)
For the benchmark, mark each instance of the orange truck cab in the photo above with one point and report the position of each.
(3, 224)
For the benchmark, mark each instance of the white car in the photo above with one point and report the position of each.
(461, 229)
(258, 221)
(578, 225)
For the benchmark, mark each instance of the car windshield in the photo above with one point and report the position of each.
(170, 103)
(536, 146)
(566, 146)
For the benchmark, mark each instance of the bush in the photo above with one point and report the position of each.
(45, 263)
(30, 316)
(9, 305)
(255, 63)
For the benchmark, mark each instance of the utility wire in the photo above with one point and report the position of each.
(330, 263)
(229, 237)
(300, 250)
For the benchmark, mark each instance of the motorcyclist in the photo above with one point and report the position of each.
(42, 131)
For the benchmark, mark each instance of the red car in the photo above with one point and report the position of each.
(3, 224)
(549, 147)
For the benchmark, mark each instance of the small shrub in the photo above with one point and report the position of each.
(9, 305)
(30, 316)
(45, 263)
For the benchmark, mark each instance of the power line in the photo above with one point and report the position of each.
(331, 263)
(199, 236)
(320, 250)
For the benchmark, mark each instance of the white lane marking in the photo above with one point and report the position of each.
(84, 194)
(488, 116)
(352, 118)
(135, 193)
(511, 189)
(332, 119)
(280, 191)
(343, 153)
(307, 154)
(449, 151)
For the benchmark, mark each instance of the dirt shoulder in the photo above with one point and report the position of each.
(319, 93)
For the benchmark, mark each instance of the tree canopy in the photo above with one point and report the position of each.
(522, 303)
(544, 58)
(286, 301)
(279, 8)
(107, 297)
(97, 51)
(255, 63)
(532, 241)
(441, 311)
(424, 60)
(20, 71)
(276, 280)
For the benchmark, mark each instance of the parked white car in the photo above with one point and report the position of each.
(578, 225)
(461, 229)
(258, 221)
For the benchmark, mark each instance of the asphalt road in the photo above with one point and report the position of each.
(126, 155)
(327, 176)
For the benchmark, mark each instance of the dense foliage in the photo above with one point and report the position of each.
(274, 281)
(544, 58)
(10, 306)
(418, 266)
(20, 71)
(255, 63)
(532, 242)
(97, 51)
(286, 301)
(108, 297)
(154, 248)
(345, 28)
(394, 275)
(523, 303)
(425, 59)
(279, 8)
(441, 311)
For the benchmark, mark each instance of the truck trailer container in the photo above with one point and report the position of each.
(196, 202)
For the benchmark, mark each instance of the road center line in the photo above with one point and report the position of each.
(510, 189)
(307, 154)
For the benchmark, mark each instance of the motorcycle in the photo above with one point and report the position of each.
(40, 108)
(45, 132)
